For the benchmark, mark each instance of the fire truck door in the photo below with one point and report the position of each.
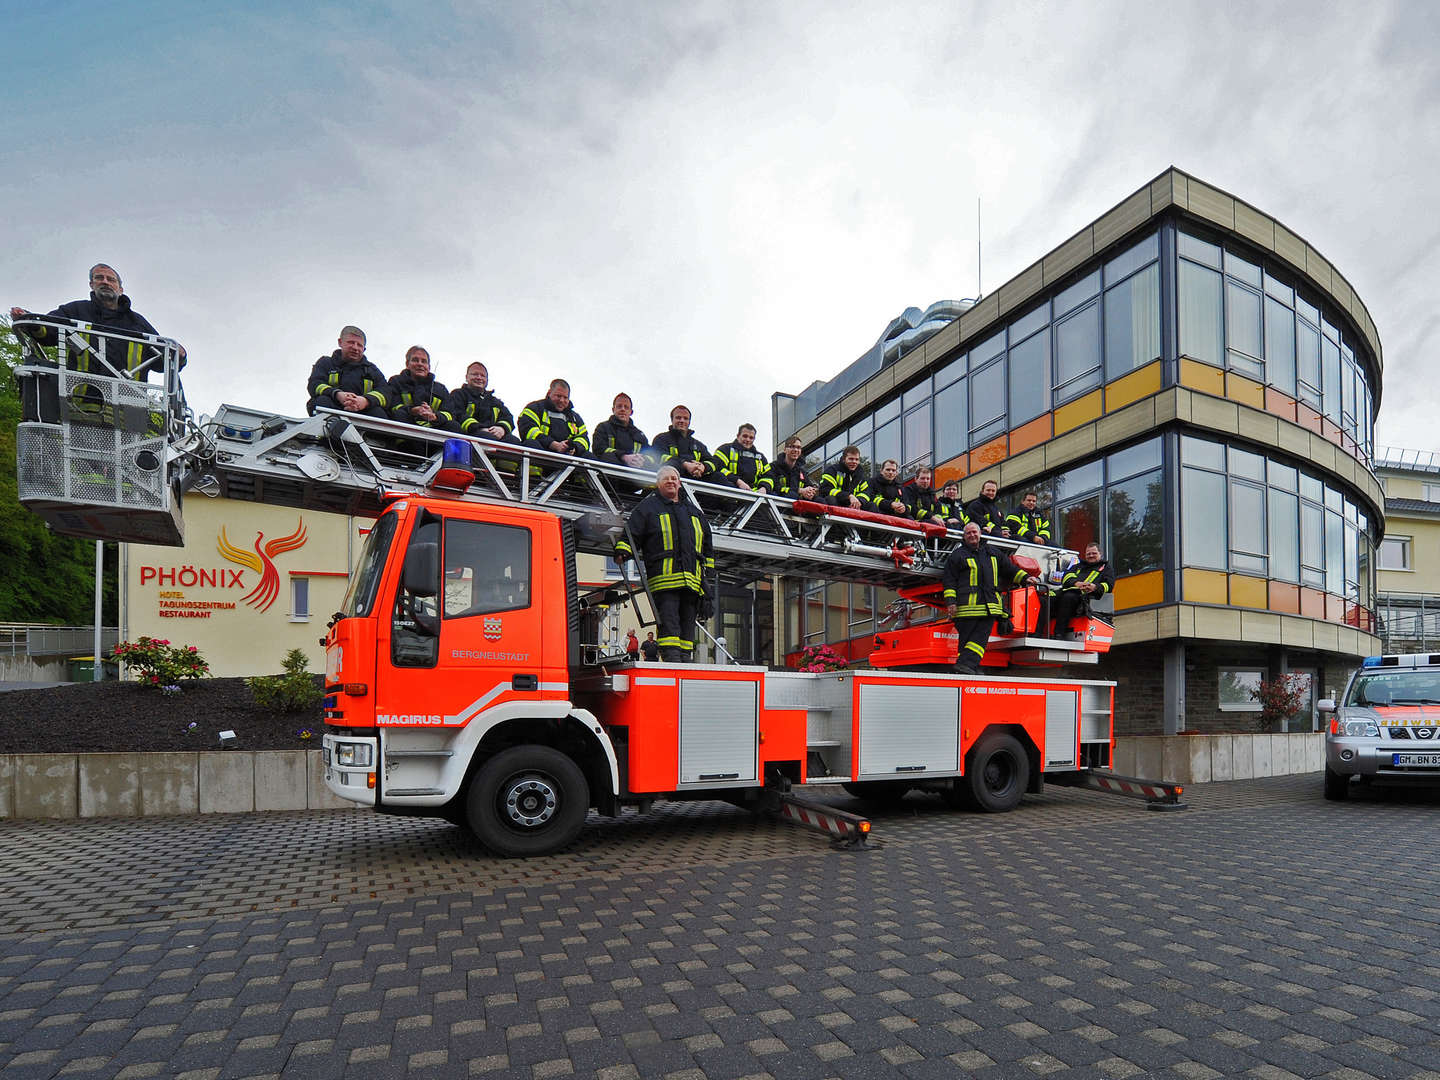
(475, 641)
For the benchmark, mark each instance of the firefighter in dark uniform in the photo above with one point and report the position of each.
(972, 579)
(619, 439)
(553, 424)
(887, 494)
(417, 397)
(920, 496)
(1089, 579)
(107, 309)
(474, 406)
(985, 512)
(845, 484)
(740, 462)
(674, 543)
(1027, 523)
(948, 508)
(346, 380)
(679, 447)
(786, 476)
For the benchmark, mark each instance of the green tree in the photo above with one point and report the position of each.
(51, 578)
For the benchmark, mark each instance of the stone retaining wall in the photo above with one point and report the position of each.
(241, 781)
(141, 785)
(1200, 759)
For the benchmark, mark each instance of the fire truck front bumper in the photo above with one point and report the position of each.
(350, 765)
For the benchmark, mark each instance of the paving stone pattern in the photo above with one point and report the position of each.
(1263, 932)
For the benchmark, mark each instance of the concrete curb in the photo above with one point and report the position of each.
(1200, 759)
(146, 785)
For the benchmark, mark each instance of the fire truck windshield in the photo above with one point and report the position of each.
(365, 582)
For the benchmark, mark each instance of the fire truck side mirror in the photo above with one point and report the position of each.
(421, 575)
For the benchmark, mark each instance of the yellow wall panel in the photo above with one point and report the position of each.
(1080, 411)
(1205, 586)
(1248, 591)
(1132, 387)
(1140, 590)
(1202, 377)
(1246, 391)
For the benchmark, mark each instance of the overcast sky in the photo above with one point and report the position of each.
(702, 202)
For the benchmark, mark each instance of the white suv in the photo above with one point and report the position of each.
(1386, 725)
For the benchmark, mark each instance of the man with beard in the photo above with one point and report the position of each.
(107, 309)
(845, 484)
(618, 439)
(1089, 579)
(416, 397)
(553, 424)
(1027, 523)
(347, 380)
(674, 544)
(477, 410)
(972, 580)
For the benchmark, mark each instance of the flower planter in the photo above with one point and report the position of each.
(1200, 759)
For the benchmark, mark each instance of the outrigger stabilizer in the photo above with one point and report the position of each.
(1158, 794)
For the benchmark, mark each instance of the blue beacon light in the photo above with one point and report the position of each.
(454, 473)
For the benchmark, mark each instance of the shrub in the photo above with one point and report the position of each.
(294, 691)
(821, 658)
(1280, 698)
(157, 663)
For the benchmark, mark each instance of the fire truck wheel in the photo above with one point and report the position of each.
(883, 792)
(998, 772)
(528, 800)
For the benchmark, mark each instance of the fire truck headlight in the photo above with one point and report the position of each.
(354, 755)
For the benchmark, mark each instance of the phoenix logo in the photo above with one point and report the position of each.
(261, 561)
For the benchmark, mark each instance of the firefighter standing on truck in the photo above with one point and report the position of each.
(972, 580)
(673, 538)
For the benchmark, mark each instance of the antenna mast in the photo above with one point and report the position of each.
(979, 253)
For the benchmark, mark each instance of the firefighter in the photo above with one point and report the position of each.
(618, 439)
(985, 512)
(786, 475)
(920, 495)
(346, 380)
(740, 462)
(673, 539)
(948, 508)
(679, 447)
(474, 406)
(845, 484)
(972, 579)
(417, 397)
(553, 424)
(1089, 579)
(1027, 523)
(107, 309)
(887, 495)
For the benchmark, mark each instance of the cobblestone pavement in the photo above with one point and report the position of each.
(1263, 932)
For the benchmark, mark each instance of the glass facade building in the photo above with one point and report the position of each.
(1187, 382)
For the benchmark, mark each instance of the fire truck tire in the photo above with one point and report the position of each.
(881, 792)
(528, 800)
(1337, 786)
(997, 772)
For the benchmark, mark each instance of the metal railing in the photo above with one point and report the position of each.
(24, 639)
(1408, 622)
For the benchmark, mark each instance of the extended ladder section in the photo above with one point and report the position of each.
(107, 456)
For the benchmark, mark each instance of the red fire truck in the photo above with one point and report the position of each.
(464, 676)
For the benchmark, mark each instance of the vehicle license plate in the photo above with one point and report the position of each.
(1426, 761)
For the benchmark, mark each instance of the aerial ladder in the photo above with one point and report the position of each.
(105, 452)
